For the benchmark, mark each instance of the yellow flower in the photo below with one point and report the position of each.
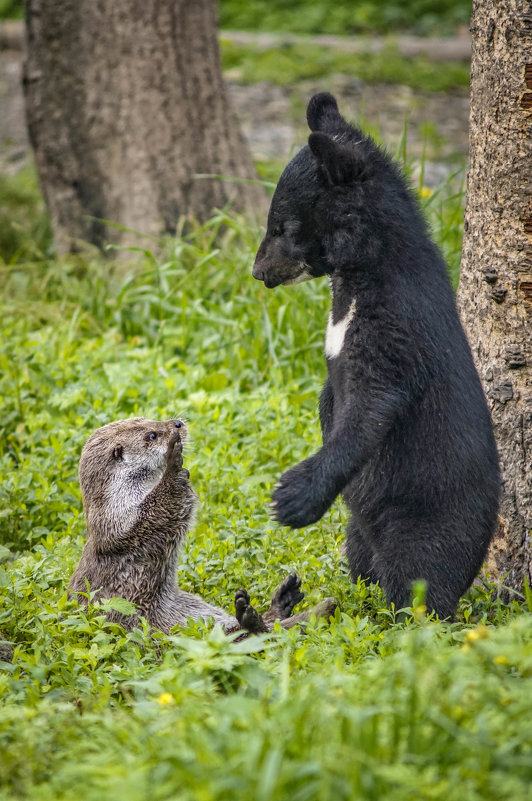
(165, 698)
(506, 700)
(480, 633)
(425, 191)
(500, 660)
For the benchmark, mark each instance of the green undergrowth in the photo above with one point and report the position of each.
(25, 231)
(368, 707)
(318, 16)
(291, 63)
(26, 236)
(344, 16)
(11, 9)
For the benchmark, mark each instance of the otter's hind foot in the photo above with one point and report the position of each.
(285, 597)
(248, 617)
(324, 609)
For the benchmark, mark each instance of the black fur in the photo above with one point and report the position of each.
(407, 436)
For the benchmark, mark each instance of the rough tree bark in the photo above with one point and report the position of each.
(125, 104)
(495, 293)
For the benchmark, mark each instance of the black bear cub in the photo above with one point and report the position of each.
(407, 435)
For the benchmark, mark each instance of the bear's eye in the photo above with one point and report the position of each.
(153, 435)
(277, 230)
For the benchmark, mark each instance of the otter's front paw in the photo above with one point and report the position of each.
(285, 597)
(298, 500)
(248, 617)
(175, 455)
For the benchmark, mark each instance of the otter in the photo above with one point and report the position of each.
(139, 505)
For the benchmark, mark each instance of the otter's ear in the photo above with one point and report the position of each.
(323, 113)
(338, 163)
(117, 452)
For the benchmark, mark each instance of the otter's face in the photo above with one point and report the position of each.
(123, 462)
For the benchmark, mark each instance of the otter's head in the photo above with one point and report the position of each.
(121, 463)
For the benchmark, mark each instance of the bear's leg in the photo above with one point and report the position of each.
(326, 409)
(360, 554)
(412, 553)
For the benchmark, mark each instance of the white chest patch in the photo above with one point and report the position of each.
(124, 499)
(334, 338)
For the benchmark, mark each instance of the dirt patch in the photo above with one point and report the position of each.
(14, 145)
(436, 125)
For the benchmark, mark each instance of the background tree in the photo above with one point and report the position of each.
(126, 105)
(495, 293)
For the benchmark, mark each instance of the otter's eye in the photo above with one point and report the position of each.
(153, 435)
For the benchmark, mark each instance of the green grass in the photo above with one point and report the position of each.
(291, 63)
(344, 16)
(317, 16)
(366, 708)
(25, 230)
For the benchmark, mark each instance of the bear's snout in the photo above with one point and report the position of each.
(258, 272)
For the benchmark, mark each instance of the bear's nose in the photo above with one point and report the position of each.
(258, 273)
(178, 423)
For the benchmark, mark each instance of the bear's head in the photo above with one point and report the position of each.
(326, 207)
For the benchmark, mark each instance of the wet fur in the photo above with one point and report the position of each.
(139, 505)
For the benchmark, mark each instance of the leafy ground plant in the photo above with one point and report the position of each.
(366, 707)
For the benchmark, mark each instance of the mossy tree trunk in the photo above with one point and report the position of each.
(126, 105)
(495, 293)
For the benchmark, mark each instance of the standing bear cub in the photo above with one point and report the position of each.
(407, 436)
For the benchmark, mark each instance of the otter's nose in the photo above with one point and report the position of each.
(179, 428)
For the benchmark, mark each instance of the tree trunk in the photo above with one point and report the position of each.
(495, 293)
(126, 105)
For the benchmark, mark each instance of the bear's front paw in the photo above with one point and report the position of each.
(298, 500)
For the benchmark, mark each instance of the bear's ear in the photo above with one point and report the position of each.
(323, 113)
(338, 163)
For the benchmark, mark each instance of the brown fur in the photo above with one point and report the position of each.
(139, 505)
